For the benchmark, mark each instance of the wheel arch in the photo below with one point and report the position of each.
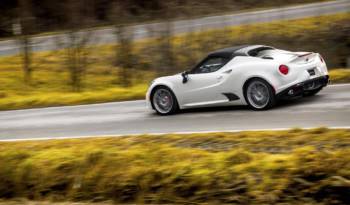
(272, 99)
(247, 81)
(160, 86)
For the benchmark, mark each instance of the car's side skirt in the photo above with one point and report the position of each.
(231, 96)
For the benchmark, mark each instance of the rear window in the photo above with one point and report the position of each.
(257, 51)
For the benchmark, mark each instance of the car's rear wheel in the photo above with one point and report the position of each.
(164, 101)
(259, 94)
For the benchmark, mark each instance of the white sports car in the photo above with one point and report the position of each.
(253, 75)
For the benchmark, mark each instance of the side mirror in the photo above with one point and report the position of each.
(184, 77)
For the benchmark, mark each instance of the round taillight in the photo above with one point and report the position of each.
(284, 69)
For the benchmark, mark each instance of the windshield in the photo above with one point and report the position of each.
(210, 64)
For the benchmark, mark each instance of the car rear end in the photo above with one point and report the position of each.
(299, 73)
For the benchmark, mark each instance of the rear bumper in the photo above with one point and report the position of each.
(300, 88)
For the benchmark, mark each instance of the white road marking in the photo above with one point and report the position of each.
(339, 84)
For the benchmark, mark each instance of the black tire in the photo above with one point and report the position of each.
(269, 94)
(312, 92)
(174, 107)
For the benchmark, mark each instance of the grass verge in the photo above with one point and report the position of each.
(268, 167)
(340, 75)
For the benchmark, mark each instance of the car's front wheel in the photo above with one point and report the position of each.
(164, 101)
(259, 94)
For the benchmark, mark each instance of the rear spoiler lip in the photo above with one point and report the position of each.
(306, 54)
(298, 56)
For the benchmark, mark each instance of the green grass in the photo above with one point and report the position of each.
(50, 84)
(101, 82)
(271, 167)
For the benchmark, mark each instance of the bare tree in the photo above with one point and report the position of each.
(124, 57)
(189, 48)
(166, 61)
(24, 28)
(75, 43)
(76, 58)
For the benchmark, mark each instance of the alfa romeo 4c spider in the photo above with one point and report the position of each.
(253, 75)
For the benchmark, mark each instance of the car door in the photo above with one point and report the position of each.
(203, 85)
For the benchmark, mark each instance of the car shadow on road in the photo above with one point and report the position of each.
(216, 109)
(300, 101)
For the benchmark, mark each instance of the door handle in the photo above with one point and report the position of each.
(228, 71)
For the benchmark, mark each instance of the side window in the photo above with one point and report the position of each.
(210, 64)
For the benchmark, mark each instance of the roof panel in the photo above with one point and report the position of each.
(228, 52)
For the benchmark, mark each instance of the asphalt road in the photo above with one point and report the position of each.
(106, 35)
(331, 107)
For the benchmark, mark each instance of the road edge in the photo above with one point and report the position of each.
(165, 133)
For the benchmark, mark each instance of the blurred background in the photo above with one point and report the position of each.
(83, 51)
(71, 52)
